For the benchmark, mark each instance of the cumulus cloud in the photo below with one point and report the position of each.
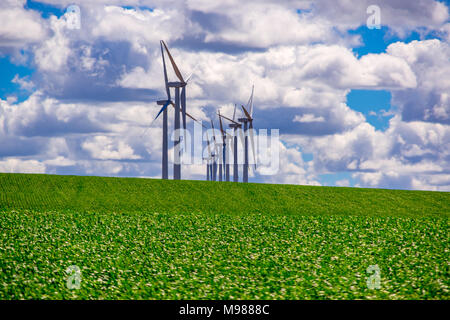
(52, 55)
(264, 24)
(19, 27)
(141, 28)
(338, 67)
(400, 16)
(24, 83)
(430, 61)
(15, 165)
(308, 117)
(408, 155)
(42, 116)
(292, 169)
(102, 147)
(60, 162)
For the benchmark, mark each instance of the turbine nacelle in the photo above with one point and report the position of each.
(176, 84)
(162, 102)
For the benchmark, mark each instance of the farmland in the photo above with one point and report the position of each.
(154, 239)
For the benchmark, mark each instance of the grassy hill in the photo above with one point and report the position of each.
(50, 192)
(155, 239)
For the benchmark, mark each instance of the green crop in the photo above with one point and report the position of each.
(131, 241)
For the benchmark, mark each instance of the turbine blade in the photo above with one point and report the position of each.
(251, 105)
(162, 109)
(214, 133)
(166, 81)
(187, 114)
(229, 119)
(183, 113)
(214, 138)
(189, 78)
(173, 105)
(174, 65)
(234, 112)
(224, 133)
(241, 136)
(208, 144)
(221, 126)
(250, 101)
(252, 141)
(246, 113)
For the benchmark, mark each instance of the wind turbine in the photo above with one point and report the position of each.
(225, 154)
(177, 85)
(164, 103)
(236, 126)
(178, 98)
(216, 153)
(208, 160)
(248, 126)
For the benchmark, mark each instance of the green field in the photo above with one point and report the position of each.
(154, 239)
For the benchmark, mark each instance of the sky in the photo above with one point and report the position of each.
(355, 105)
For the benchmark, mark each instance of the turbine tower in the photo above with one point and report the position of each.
(248, 126)
(225, 153)
(216, 154)
(236, 126)
(180, 106)
(221, 167)
(208, 159)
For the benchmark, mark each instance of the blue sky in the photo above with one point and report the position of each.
(46, 10)
(378, 101)
(9, 71)
(355, 106)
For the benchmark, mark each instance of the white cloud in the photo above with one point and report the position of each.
(60, 162)
(400, 16)
(308, 117)
(324, 72)
(15, 165)
(445, 31)
(24, 83)
(343, 183)
(429, 59)
(139, 27)
(292, 168)
(100, 168)
(264, 24)
(52, 55)
(137, 78)
(102, 147)
(338, 67)
(18, 26)
(407, 155)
